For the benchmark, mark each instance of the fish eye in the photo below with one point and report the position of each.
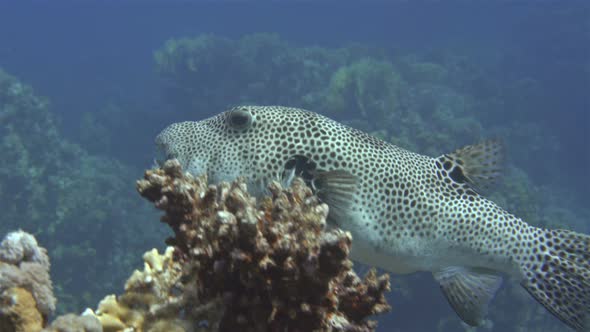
(240, 119)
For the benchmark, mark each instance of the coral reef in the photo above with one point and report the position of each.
(270, 266)
(367, 88)
(198, 72)
(26, 293)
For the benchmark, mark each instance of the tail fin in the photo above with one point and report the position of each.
(557, 274)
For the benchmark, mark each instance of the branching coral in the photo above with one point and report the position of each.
(270, 266)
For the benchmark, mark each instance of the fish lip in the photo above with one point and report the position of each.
(163, 154)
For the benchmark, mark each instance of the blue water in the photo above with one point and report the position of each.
(90, 56)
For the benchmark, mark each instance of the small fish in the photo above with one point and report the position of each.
(407, 212)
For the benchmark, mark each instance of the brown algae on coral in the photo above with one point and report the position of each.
(264, 266)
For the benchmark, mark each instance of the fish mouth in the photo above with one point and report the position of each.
(300, 166)
(163, 155)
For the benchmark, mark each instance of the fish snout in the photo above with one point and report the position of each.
(164, 150)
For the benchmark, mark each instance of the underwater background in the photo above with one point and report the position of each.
(85, 88)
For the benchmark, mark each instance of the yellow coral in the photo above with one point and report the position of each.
(18, 311)
(147, 294)
(115, 316)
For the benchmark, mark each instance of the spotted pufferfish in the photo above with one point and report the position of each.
(407, 212)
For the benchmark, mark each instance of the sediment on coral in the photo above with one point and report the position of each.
(264, 266)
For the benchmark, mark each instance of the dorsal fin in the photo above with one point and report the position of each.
(335, 188)
(480, 164)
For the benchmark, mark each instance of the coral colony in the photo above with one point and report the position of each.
(233, 264)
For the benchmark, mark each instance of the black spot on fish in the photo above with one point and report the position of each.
(457, 175)
(447, 165)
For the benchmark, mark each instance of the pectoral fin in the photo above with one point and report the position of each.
(335, 188)
(468, 291)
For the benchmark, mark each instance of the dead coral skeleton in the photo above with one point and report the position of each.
(272, 265)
